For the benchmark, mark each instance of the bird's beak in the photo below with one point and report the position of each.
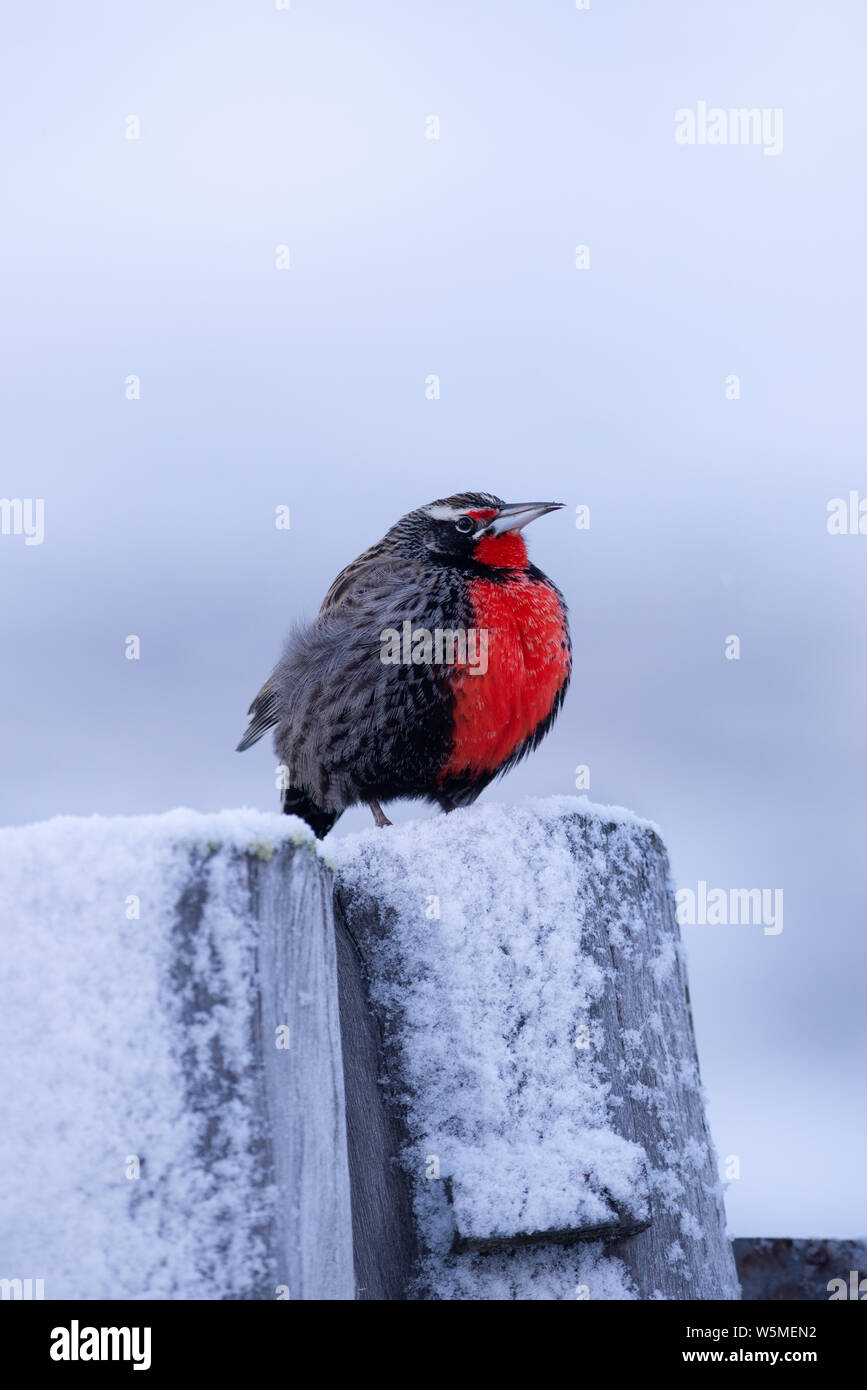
(517, 515)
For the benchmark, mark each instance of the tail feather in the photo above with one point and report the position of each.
(264, 710)
(296, 802)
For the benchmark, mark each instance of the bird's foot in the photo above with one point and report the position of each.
(378, 814)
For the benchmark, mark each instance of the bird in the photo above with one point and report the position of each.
(440, 658)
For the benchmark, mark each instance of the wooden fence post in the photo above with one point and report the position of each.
(540, 1056)
(473, 1076)
(172, 1080)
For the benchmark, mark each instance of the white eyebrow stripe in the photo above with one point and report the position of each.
(445, 513)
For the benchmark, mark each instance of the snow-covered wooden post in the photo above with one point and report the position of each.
(172, 1082)
(476, 1079)
(525, 968)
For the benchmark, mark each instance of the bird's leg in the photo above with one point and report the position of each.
(378, 814)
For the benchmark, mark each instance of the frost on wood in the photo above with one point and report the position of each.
(175, 1110)
(526, 966)
(150, 1144)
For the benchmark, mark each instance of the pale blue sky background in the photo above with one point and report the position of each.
(603, 387)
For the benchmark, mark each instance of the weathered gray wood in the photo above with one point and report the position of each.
(649, 1045)
(642, 1049)
(802, 1270)
(152, 1041)
(383, 1232)
(157, 1142)
(303, 1090)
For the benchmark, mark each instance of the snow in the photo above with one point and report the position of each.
(555, 1274)
(554, 808)
(112, 1027)
(479, 971)
(133, 1133)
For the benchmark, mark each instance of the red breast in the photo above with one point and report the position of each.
(528, 661)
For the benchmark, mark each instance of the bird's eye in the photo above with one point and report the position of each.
(464, 524)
